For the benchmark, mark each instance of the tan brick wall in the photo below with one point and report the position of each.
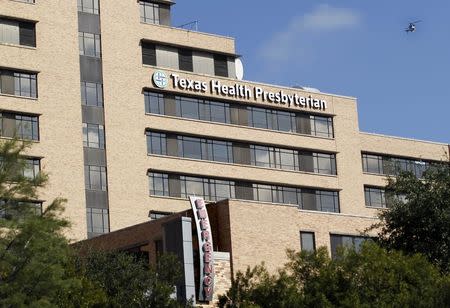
(263, 232)
(59, 104)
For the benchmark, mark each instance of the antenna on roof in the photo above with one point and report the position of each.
(193, 25)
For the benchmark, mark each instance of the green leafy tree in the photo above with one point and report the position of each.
(35, 257)
(129, 281)
(373, 277)
(419, 221)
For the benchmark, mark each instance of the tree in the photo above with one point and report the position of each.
(373, 277)
(128, 280)
(38, 267)
(419, 221)
(35, 259)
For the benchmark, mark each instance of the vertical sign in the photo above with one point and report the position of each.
(205, 249)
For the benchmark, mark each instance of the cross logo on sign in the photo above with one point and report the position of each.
(160, 79)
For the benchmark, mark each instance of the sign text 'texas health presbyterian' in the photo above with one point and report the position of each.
(239, 91)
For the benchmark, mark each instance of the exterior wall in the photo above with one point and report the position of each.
(263, 232)
(222, 274)
(56, 59)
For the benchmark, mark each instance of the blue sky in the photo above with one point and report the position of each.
(355, 48)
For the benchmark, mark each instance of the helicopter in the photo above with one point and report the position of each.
(412, 26)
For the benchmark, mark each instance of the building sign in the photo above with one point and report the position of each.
(205, 248)
(160, 79)
(244, 92)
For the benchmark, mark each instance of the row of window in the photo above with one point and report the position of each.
(181, 186)
(18, 83)
(233, 152)
(25, 1)
(14, 209)
(17, 32)
(183, 59)
(230, 113)
(19, 126)
(389, 165)
(31, 168)
(308, 243)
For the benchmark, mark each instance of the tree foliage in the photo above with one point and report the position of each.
(34, 254)
(127, 279)
(39, 268)
(373, 277)
(419, 222)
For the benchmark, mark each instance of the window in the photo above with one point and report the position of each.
(154, 215)
(285, 121)
(89, 44)
(190, 147)
(95, 178)
(148, 53)
(17, 32)
(220, 65)
(324, 163)
(93, 136)
(88, 6)
(25, 84)
(18, 83)
(286, 159)
(262, 192)
(20, 126)
(91, 94)
(321, 126)
(327, 201)
(26, 1)
(27, 127)
(307, 241)
(154, 103)
(220, 112)
(258, 117)
(375, 197)
(372, 163)
(187, 107)
(159, 184)
(32, 168)
(221, 189)
(221, 151)
(185, 60)
(149, 12)
(348, 241)
(156, 143)
(15, 209)
(261, 156)
(97, 220)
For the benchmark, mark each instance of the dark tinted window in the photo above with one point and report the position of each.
(220, 65)
(185, 60)
(148, 53)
